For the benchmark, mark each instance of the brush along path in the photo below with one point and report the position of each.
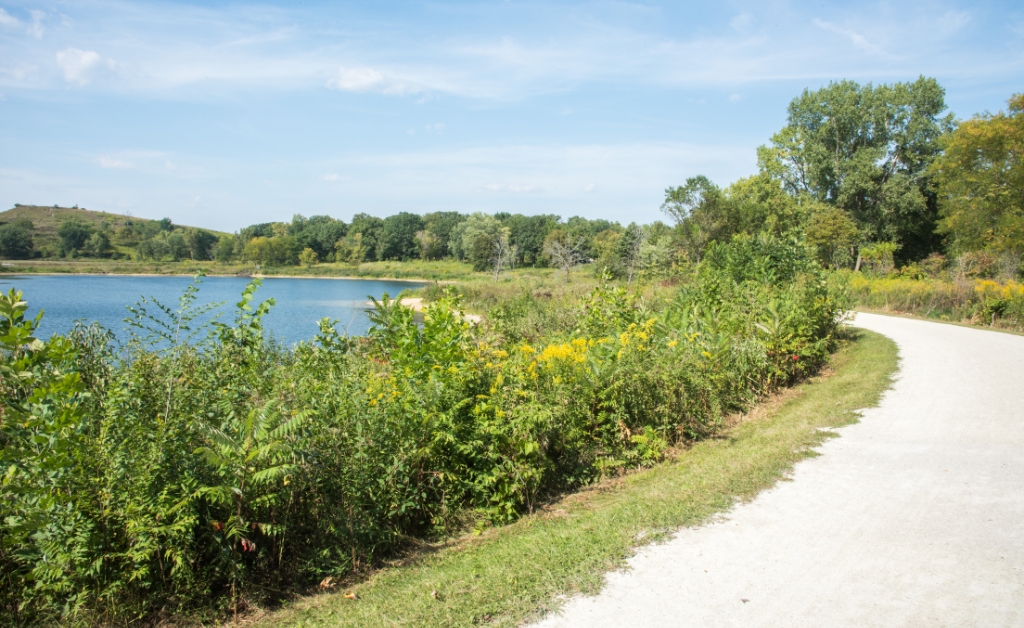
(508, 574)
(914, 517)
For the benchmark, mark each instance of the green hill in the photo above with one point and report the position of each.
(123, 231)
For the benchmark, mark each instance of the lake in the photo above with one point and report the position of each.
(300, 302)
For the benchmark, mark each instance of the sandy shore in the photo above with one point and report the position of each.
(416, 303)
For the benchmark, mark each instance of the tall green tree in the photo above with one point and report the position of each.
(759, 204)
(320, 233)
(697, 208)
(866, 150)
(398, 237)
(833, 234)
(73, 235)
(369, 229)
(481, 227)
(440, 226)
(980, 179)
(15, 242)
(200, 243)
(527, 233)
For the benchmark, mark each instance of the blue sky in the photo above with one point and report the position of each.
(226, 114)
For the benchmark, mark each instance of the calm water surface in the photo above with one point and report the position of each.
(300, 302)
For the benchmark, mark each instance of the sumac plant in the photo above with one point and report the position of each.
(199, 469)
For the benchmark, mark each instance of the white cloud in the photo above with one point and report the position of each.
(113, 163)
(8, 20)
(437, 127)
(513, 188)
(590, 187)
(366, 79)
(356, 79)
(741, 22)
(334, 177)
(951, 22)
(858, 40)
(80, 66)
(19, 73)
(36, 29)
(735, 98)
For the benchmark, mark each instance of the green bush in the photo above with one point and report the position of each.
(200, 469)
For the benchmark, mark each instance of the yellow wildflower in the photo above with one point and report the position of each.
(555, 352)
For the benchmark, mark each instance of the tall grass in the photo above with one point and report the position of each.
(978, 301)
(201, 477)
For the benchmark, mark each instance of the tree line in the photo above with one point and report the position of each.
(883, 175)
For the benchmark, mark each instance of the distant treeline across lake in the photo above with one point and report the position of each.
(300, 303)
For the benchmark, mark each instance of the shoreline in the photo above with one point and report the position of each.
(259, 276)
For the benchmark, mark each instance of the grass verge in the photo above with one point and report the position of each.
(511, 574)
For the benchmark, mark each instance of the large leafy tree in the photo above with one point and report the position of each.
(319, 233)
(15, 242)
(759, 204)
(866, 150)
(527, 233)
(398, 237)
(440, 225)
(73, 235)
(473, 238)
(200, 243)
(980, 179)
(697, 209)
(369, 229)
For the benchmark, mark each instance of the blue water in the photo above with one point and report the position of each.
(300, 302)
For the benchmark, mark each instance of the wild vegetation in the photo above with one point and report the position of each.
(202, 468)
(859, 172)
(512, 574)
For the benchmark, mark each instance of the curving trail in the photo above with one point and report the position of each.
(913, 517)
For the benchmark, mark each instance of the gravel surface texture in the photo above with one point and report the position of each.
(912, 517)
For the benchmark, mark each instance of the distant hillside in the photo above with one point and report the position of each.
(46, 220)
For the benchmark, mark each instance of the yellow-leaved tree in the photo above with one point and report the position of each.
(980, 178)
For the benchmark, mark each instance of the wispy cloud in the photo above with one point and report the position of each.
(36, 28)
(169, 48)
(742, 22)
(358, 80)
(81, 66)
(513, 188)
(858, 40)
(8, 21)
(114, 163)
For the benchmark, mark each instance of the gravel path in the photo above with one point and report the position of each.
(913, 517)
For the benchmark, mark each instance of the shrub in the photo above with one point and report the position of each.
(199, 469)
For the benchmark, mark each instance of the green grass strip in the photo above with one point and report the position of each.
(511, 574)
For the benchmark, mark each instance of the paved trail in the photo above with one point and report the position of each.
(913, 517)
